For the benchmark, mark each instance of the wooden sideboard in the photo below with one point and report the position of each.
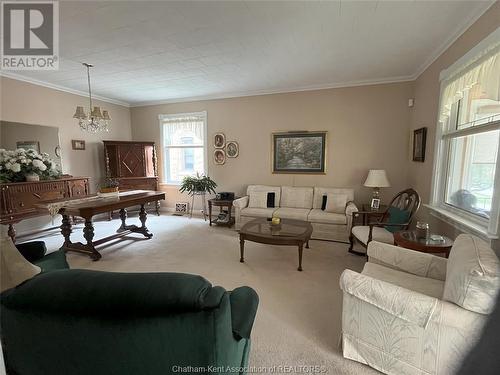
(18, 199)
(133, 165)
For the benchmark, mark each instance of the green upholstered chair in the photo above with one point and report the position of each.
(36, 253)
(89, 322)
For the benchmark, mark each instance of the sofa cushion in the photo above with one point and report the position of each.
(257, 199)
(319, 216)
(257, 212)
(336, 203)
(267, 189)
(472, 275)
(378, 234)
(292, 213)
(296, 197)
(320, 191)
(424, 285)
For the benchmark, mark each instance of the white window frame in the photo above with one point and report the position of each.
(161, 119)
(459, 218)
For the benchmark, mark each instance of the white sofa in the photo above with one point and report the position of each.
(301, 203)
(414, 313)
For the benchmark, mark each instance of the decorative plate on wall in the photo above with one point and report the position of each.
(219, 157)
(219, 140)
(232, 149)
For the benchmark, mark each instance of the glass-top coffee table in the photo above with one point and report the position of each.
(288, 233)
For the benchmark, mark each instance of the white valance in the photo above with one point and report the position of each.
(480, 65)
(487, 73)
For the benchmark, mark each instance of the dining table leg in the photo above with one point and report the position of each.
(88, 234)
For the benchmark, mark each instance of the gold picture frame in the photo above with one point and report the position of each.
(309, 161)
(219, 157)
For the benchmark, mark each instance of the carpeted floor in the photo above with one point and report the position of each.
(299, 317)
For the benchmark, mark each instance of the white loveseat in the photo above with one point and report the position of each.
(301, 203)
(415, 313)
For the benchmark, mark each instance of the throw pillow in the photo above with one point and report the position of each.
(258, 199)
(14, 268)
(396, 216)
(323, 202)
(271, 198)
(336, 203)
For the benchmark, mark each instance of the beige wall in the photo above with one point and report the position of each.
(427, 89)
(38, 105)
(32, 104)
(367, 128)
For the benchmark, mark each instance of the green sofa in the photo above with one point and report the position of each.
(88, 322)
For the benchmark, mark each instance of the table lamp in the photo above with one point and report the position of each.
(376, 179)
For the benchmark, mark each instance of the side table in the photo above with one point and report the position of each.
(221, 204)
(409, 240)
(366, 212)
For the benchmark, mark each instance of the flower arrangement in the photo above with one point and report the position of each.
(17, 164)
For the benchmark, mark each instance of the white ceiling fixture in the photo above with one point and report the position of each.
(168, 51)
(94, 121)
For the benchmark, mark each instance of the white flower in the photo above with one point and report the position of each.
(16, 167)
(39, 164)
(8, 165)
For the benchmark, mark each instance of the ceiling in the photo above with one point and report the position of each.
(146, 52)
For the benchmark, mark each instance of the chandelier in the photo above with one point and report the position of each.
(94, 121)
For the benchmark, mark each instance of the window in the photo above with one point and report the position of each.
(467, 173)
(184, 145)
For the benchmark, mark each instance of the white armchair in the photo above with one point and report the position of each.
(415, 313)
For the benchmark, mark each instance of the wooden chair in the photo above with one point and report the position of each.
(407, 202)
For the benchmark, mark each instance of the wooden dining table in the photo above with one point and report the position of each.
(90, 206)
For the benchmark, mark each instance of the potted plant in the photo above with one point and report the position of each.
(197, 185)
(110, 185)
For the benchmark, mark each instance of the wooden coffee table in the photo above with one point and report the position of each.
(288, 233)
(409, 240)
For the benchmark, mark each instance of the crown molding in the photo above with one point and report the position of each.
(281, 91)
(37, 82)
(428, 62)
(452, 39)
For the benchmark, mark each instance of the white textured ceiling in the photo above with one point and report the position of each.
(147, 51)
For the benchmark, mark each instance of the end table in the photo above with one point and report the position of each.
(366, 212)
(221, 204)
(408, 239)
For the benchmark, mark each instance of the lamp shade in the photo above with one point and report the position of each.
(377, 178)
(105, 115)
(96, 113)
(79, 113)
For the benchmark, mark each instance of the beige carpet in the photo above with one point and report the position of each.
(299, 317)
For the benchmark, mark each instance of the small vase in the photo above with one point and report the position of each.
(32, 177)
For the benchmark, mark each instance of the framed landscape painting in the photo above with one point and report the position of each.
(299, 152)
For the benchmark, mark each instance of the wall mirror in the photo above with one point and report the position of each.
(14, 135)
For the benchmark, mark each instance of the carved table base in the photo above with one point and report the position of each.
(88, 233)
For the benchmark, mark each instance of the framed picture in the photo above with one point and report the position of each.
(419, 138)
(29, 145)
(219, 157)
(219, 140)
(232, 149)
(375, 205)
(77, 144)
(299, 152)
